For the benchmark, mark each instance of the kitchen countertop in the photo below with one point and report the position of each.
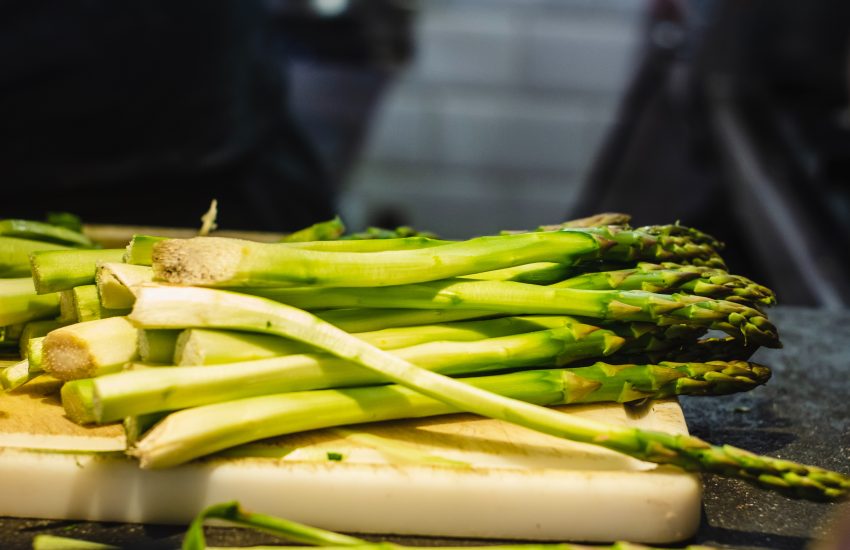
(803, 414)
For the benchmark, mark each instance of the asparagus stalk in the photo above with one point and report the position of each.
(14, 255)
(212, 261)
(192, 433)
(55, 270)
(169, 307)
(40, 231)
(211, 347)
(19, 303)
(134, 392)
(520, 298)
(90, 349)
(53, 542)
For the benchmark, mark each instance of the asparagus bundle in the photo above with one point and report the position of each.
(645, 297)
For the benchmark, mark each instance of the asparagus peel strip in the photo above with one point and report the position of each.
(134, 392)
(191, 433)
(170, 307)
(211, 347)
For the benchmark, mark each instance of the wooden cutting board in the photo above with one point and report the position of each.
(451, 476)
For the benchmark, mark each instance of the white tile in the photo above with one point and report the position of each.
(593, 54)
(514, 133)
(467, 47)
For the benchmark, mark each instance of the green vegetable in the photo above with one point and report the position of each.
(40, 231)
(520, 298)
(90, 349)
(15, 255)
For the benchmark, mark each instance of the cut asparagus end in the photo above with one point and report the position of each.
(90, 349)
(115, 283)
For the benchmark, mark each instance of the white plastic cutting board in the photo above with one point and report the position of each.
(453, 476)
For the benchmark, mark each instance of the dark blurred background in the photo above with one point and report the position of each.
(462, 117)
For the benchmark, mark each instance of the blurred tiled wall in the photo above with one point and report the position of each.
(494, 123)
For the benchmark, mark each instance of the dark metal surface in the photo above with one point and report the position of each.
(803, 414)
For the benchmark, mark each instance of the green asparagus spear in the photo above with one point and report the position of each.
(14, 255)
(171, 307)
(134, 392)
(520, 298)
(221, 262)
(668, 277)
(40, 231)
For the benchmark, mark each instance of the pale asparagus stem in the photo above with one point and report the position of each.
(14, 255)
(520, 298)
(56, 270)
(19, 303)
(115, 282)
(90, 349)
(170, 307)
(210, 347)
(142, 391)
(158, 346)
(212, 261)
(202, 430)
